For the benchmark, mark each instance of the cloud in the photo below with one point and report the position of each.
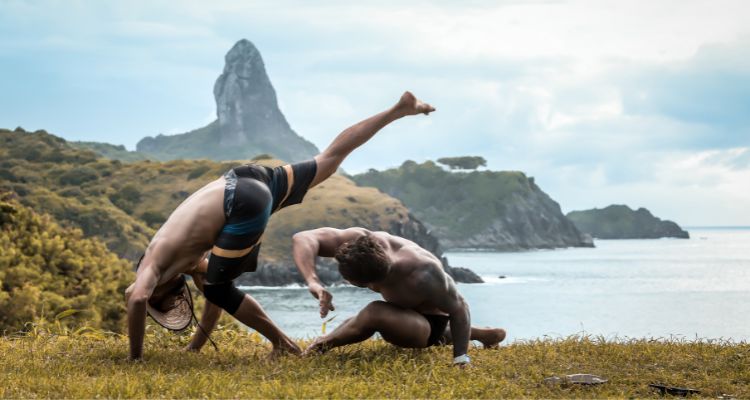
(601, 101)
(710, 89)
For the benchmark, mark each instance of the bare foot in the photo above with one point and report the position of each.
(410, 105)
(492, 337)
(318, 346)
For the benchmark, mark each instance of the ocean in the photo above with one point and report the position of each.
(664, 288)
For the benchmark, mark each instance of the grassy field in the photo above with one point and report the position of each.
(88, 364)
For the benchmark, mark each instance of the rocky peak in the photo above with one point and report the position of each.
(249, 121)
(245, 100)
(244, 60)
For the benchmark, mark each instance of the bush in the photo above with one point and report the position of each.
(46, 269)
(126, 198)
(77, 176)
(198, 171)
(153, 218)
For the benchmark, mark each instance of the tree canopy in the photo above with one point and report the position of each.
(465, 162)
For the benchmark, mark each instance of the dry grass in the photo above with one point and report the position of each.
(91, 364)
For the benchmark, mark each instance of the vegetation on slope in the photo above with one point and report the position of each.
(111, 151)
(622, 222)
(501, 210)
(46, 269)
(77, 366)
(124, 203)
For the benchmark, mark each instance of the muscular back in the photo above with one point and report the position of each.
(416, 279)
(189, 232)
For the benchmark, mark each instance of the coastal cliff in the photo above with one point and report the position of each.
(503, 211)
(622, 222)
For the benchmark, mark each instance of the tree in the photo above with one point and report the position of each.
(465, 162)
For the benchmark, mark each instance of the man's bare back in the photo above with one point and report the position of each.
(412, 269)
(189, 232)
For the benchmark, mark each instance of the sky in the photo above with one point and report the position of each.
(644, 103)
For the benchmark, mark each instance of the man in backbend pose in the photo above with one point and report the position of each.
(227, 218)
(420, 298)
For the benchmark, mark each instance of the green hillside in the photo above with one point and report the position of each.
(46, 269)
(503, 210)
(124, 203)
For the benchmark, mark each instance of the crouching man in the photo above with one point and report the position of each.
(422, 306)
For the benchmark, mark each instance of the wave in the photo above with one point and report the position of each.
(508, 280)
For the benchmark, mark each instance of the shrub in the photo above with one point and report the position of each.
(46, 269)
(198, 171)
(76, 176)
(153, 217)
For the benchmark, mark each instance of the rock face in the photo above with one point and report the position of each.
(504, 211)
(621, 222)
(248, 123)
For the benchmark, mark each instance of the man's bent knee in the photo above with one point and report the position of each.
(373, 312)
(224, 295)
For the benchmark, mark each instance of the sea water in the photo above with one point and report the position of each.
(664, 288)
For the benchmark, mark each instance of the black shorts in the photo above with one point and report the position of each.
(438, 323)
(252, 193)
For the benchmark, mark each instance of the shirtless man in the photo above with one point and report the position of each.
(420, 298)
(227, 218)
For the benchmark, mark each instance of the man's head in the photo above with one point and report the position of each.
(170, 304)
(362, 261)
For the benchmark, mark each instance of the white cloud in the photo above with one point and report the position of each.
(603, 102)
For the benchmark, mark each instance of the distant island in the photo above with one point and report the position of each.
(493, 210)
(622, 222)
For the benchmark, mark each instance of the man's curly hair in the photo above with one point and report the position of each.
(362, 260)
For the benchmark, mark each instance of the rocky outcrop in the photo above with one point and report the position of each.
(622, 222)
(530, 220)
(248, 122)
(502, 211)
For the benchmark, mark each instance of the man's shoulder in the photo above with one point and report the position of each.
(420, 270)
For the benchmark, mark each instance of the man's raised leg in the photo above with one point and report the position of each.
(329, 160)
(398, 326)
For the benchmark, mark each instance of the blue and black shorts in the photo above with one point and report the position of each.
(252, 193)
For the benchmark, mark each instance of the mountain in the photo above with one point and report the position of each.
(622, 222)
(123, 204)
(248, 122)
(481, 209)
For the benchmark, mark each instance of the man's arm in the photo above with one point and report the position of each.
(460, 321)
(444, 294)
(331, 158)
(322, 242)
(136, 296)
